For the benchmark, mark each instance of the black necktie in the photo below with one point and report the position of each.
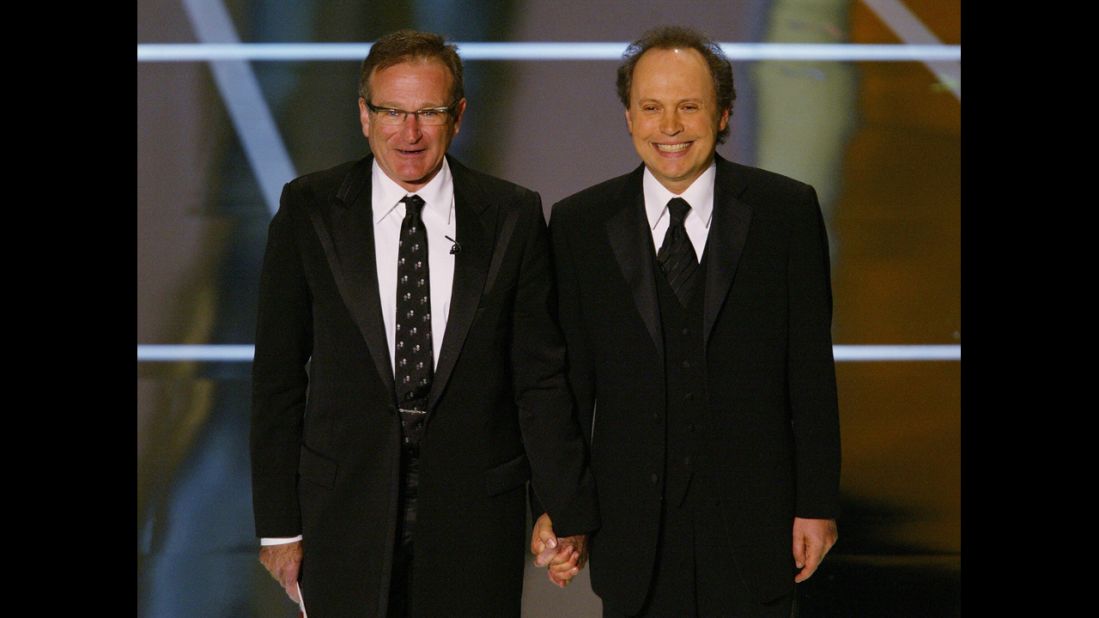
(414, 354)
(677, 256)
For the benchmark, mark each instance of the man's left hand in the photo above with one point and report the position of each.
(812, 540)
(569, 553)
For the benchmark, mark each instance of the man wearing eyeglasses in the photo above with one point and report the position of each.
(408, 377)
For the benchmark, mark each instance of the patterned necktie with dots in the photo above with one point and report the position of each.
(677, 255)
(414, 354)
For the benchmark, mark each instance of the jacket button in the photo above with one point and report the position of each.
(686, 364)
(654, 478)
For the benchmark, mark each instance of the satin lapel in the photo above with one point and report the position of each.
(349, 245)
(631, 239)
(476, 228)
(725, 242)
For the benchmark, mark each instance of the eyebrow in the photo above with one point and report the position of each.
(419, 107)
(652, 100)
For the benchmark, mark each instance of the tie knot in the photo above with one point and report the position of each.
(678, 208)
(414, 204)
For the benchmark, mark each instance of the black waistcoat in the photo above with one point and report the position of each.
(685, 383)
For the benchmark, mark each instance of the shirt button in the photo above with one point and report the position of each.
(654, 478)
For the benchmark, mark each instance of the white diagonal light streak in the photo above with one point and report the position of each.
(244, 101)
(913, 32)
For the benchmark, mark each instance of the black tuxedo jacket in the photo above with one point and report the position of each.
(771, 438)
(325, 427)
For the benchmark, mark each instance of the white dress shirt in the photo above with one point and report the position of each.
(700, 195)
(439, 222)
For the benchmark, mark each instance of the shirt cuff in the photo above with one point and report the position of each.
(279, 540)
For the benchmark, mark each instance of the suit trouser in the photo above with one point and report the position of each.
(695, 573)
(400, 585)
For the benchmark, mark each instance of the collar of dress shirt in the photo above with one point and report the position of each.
(386, 194)
(700, 195)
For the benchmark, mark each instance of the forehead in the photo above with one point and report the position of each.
(417, 81)
(679, 71)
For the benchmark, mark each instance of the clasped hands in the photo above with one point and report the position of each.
(563, 556)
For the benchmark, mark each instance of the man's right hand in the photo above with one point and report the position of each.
(283, 562)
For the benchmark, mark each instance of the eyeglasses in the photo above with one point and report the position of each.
(431, 116)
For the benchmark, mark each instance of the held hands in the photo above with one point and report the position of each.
(283, 562)
(564, 556)
(812, 540)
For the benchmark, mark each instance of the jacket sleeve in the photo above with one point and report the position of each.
(560, 475)
(811, 370)
(284, 341)
(581, 371)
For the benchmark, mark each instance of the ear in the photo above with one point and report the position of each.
(629, 122)
(723, 121)
(364, 117)
(459, 111)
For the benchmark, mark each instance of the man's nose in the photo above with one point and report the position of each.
(410, 127)
(670, 123)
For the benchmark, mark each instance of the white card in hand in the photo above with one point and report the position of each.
(301, 601)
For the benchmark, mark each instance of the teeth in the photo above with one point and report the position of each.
(672, 147)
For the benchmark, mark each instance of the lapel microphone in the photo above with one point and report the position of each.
(456, 248)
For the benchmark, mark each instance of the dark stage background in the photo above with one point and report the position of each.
(879, 139)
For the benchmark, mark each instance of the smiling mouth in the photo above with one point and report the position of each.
(410, 152)
(672, 148)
